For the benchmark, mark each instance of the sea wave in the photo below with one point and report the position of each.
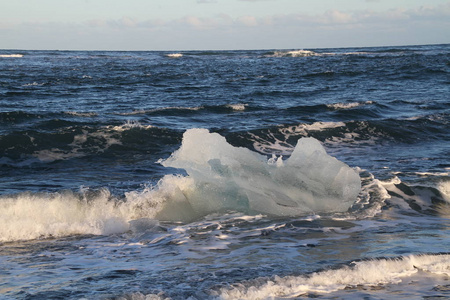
(81, 114)
(220, 179)
(174, 55)
(181, 110)
(237, 106)
(293, 53)
(373, 272)
(28, 216)
(433, 199)
(68, 140)
(11, 55)
(167, 109)
(348, 105)
(281, 139)
(309, 53)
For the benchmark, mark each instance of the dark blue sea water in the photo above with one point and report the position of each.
(177, 175)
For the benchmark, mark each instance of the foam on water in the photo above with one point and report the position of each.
(238, 106)
(360, 273)
(281, 147)
(349, 105)
(82, 144)
(227, 177)
(294, 53)
(444, 188)
(174, 55)
(11, 55)
(30, 216)
(81, 114)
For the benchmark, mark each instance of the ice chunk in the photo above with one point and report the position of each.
(232, 178)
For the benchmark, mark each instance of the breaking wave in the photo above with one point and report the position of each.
(348, 105)
(220, 178)
(293, 53)
(68, 140)
(280, 139)
(11, 55)
(374, 272)
(174, 55)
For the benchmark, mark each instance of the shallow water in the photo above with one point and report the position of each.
(88, 211)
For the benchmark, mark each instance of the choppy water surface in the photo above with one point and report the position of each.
(155, 175)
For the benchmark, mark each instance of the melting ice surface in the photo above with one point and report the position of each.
(226, 177)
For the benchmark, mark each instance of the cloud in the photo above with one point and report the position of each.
(126, 22)
(247, 21)
(338, 17)
(333, 28)
(331, 18)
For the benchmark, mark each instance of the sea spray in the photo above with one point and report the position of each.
(29, 216)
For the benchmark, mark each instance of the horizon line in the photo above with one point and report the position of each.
(217, 50)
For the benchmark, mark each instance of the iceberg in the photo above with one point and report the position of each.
(223, 177)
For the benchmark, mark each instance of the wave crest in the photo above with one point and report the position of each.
(11, 55)
(366, 273)
(294, 53)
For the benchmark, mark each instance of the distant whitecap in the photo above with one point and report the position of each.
(11, 55)
(174, 55)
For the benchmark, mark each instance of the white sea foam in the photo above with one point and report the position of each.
(349, 105)
(81, 114)
(30, 216)
(140, 296)
(174, 55)
(444, 187)
(281, 147)
(307, 53)
(346, 53)
(238, 106)
(130, 124)
(294, 53)
(54, 154)
(428, 174)
(371, 199)
(279, 142)
(11, 55)
(361, 273)
(33, 84)
(435, 196)
(104, 138)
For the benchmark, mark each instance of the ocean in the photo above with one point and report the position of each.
(269, 174)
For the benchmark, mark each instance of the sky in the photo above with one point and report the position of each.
(220, 24)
